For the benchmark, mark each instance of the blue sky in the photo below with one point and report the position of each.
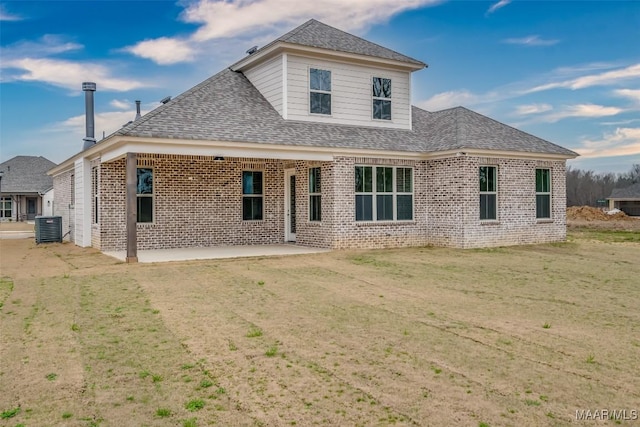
(568, 71)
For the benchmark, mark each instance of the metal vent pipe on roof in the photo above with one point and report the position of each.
(138, 115)
(89, 139)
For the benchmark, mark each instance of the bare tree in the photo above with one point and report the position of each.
(587, 187)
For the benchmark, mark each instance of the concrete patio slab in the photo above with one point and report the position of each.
(216, 252)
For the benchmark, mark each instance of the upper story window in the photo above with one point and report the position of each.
(543, 193)
(381, 98)
(319, 91)
(488, 193)
(145, 195)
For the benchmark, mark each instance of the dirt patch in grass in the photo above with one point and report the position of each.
(422, 336)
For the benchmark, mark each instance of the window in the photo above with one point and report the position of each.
(320, 91)
(5, 207)
(315, 198)
(73, 191)
(488, 194)
(384, 190)
(381, 98)
(543, 193)
(145, 195)
(252, 195)
(94, 190)
(404, 189)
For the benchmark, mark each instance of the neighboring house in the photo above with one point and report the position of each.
(626, 199)
(25, 188)
(312, 139)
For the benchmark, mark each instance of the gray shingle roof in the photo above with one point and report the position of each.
(630, 192)
(316, 34)
(227, 107)
(26, 174)
(460, 128)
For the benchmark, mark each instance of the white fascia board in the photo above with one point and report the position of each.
(469, 152)
(273, 50)
(123, 145)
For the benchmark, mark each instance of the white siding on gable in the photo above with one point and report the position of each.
(267, 78)
(351, 97)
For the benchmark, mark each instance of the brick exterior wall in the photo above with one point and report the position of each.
(62, 203)
(198, 202)
(454, 213)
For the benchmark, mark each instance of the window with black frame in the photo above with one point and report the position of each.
(145, 195)
(315, 194)
(252, 196)
(543, 193)
(488, 193)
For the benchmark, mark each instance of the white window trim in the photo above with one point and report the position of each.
(152, 195)
(543, 193)
(393, 193)
(318, 193)
(491, 220)
(309, 90)
(373, 98)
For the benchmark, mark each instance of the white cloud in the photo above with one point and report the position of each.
(261, 20)
(534, 40)
(107, 122)
(49, 44)
(66, 74)
(163, 50)
(449, 99)
(499, 5)
(601, 79)
(581, 110)
(237, 17)
(6, 16)
(121, 104)
(523, 110)
(633, 94)
(621, 142)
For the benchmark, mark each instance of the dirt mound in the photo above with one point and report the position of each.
(588, 213)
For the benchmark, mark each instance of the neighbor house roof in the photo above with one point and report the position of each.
(630, 192)
(227, 107)
(26, 175)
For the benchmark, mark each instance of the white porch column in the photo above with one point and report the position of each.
(82, 230)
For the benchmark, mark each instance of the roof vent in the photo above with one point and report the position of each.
(138, 115)
(165, 100)
(252, 50)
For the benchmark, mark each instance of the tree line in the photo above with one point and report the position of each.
(585, 187)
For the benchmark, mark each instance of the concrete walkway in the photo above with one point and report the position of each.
(216, 252)
(16, 234)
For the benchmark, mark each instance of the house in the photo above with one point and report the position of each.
(626, 199)
(312, 139)
(26, 190)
